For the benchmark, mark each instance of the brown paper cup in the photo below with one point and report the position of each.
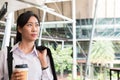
(24, 69)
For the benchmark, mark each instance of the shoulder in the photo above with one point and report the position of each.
(3, 53)
(41, 48)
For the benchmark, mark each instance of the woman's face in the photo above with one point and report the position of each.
(30, 30)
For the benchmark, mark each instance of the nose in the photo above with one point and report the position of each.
(34, 28)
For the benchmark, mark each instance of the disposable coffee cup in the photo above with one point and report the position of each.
(24, 69)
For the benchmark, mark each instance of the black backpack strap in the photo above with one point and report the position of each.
(9, 61)
(52, 63)
(41, 48)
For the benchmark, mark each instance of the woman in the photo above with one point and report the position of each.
(25, 52)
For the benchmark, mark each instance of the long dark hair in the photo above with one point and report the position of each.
(22, 20)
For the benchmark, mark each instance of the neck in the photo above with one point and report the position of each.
(26, 47)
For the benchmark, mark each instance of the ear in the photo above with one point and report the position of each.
(19, 29)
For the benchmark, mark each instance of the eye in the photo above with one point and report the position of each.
(29, 24)
(37, 25)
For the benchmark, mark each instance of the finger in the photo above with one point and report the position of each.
(17, 75)
(17, 78)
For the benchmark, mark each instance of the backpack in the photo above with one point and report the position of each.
(40, 48)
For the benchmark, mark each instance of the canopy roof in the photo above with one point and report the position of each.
(14, 5)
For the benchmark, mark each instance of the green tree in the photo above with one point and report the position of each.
(102, 53)
(62, 58)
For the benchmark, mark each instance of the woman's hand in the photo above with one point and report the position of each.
(43, 58)
(18, 75)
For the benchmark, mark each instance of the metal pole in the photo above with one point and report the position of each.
(55, 13)
(41, 28)
(6, 38)
(62, 44)
(74, 72)
(12, 41)
(88, 64)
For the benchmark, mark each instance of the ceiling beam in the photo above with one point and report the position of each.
(47, 9)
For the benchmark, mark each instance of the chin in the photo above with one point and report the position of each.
(33, 39)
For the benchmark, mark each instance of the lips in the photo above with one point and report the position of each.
(34, 35)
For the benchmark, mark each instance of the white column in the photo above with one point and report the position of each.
(62, 44)
(6, 38)
(41, 28)
(88, 63)
(12, 41)
(74, 72)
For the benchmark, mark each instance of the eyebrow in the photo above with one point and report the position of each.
(32, 22)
